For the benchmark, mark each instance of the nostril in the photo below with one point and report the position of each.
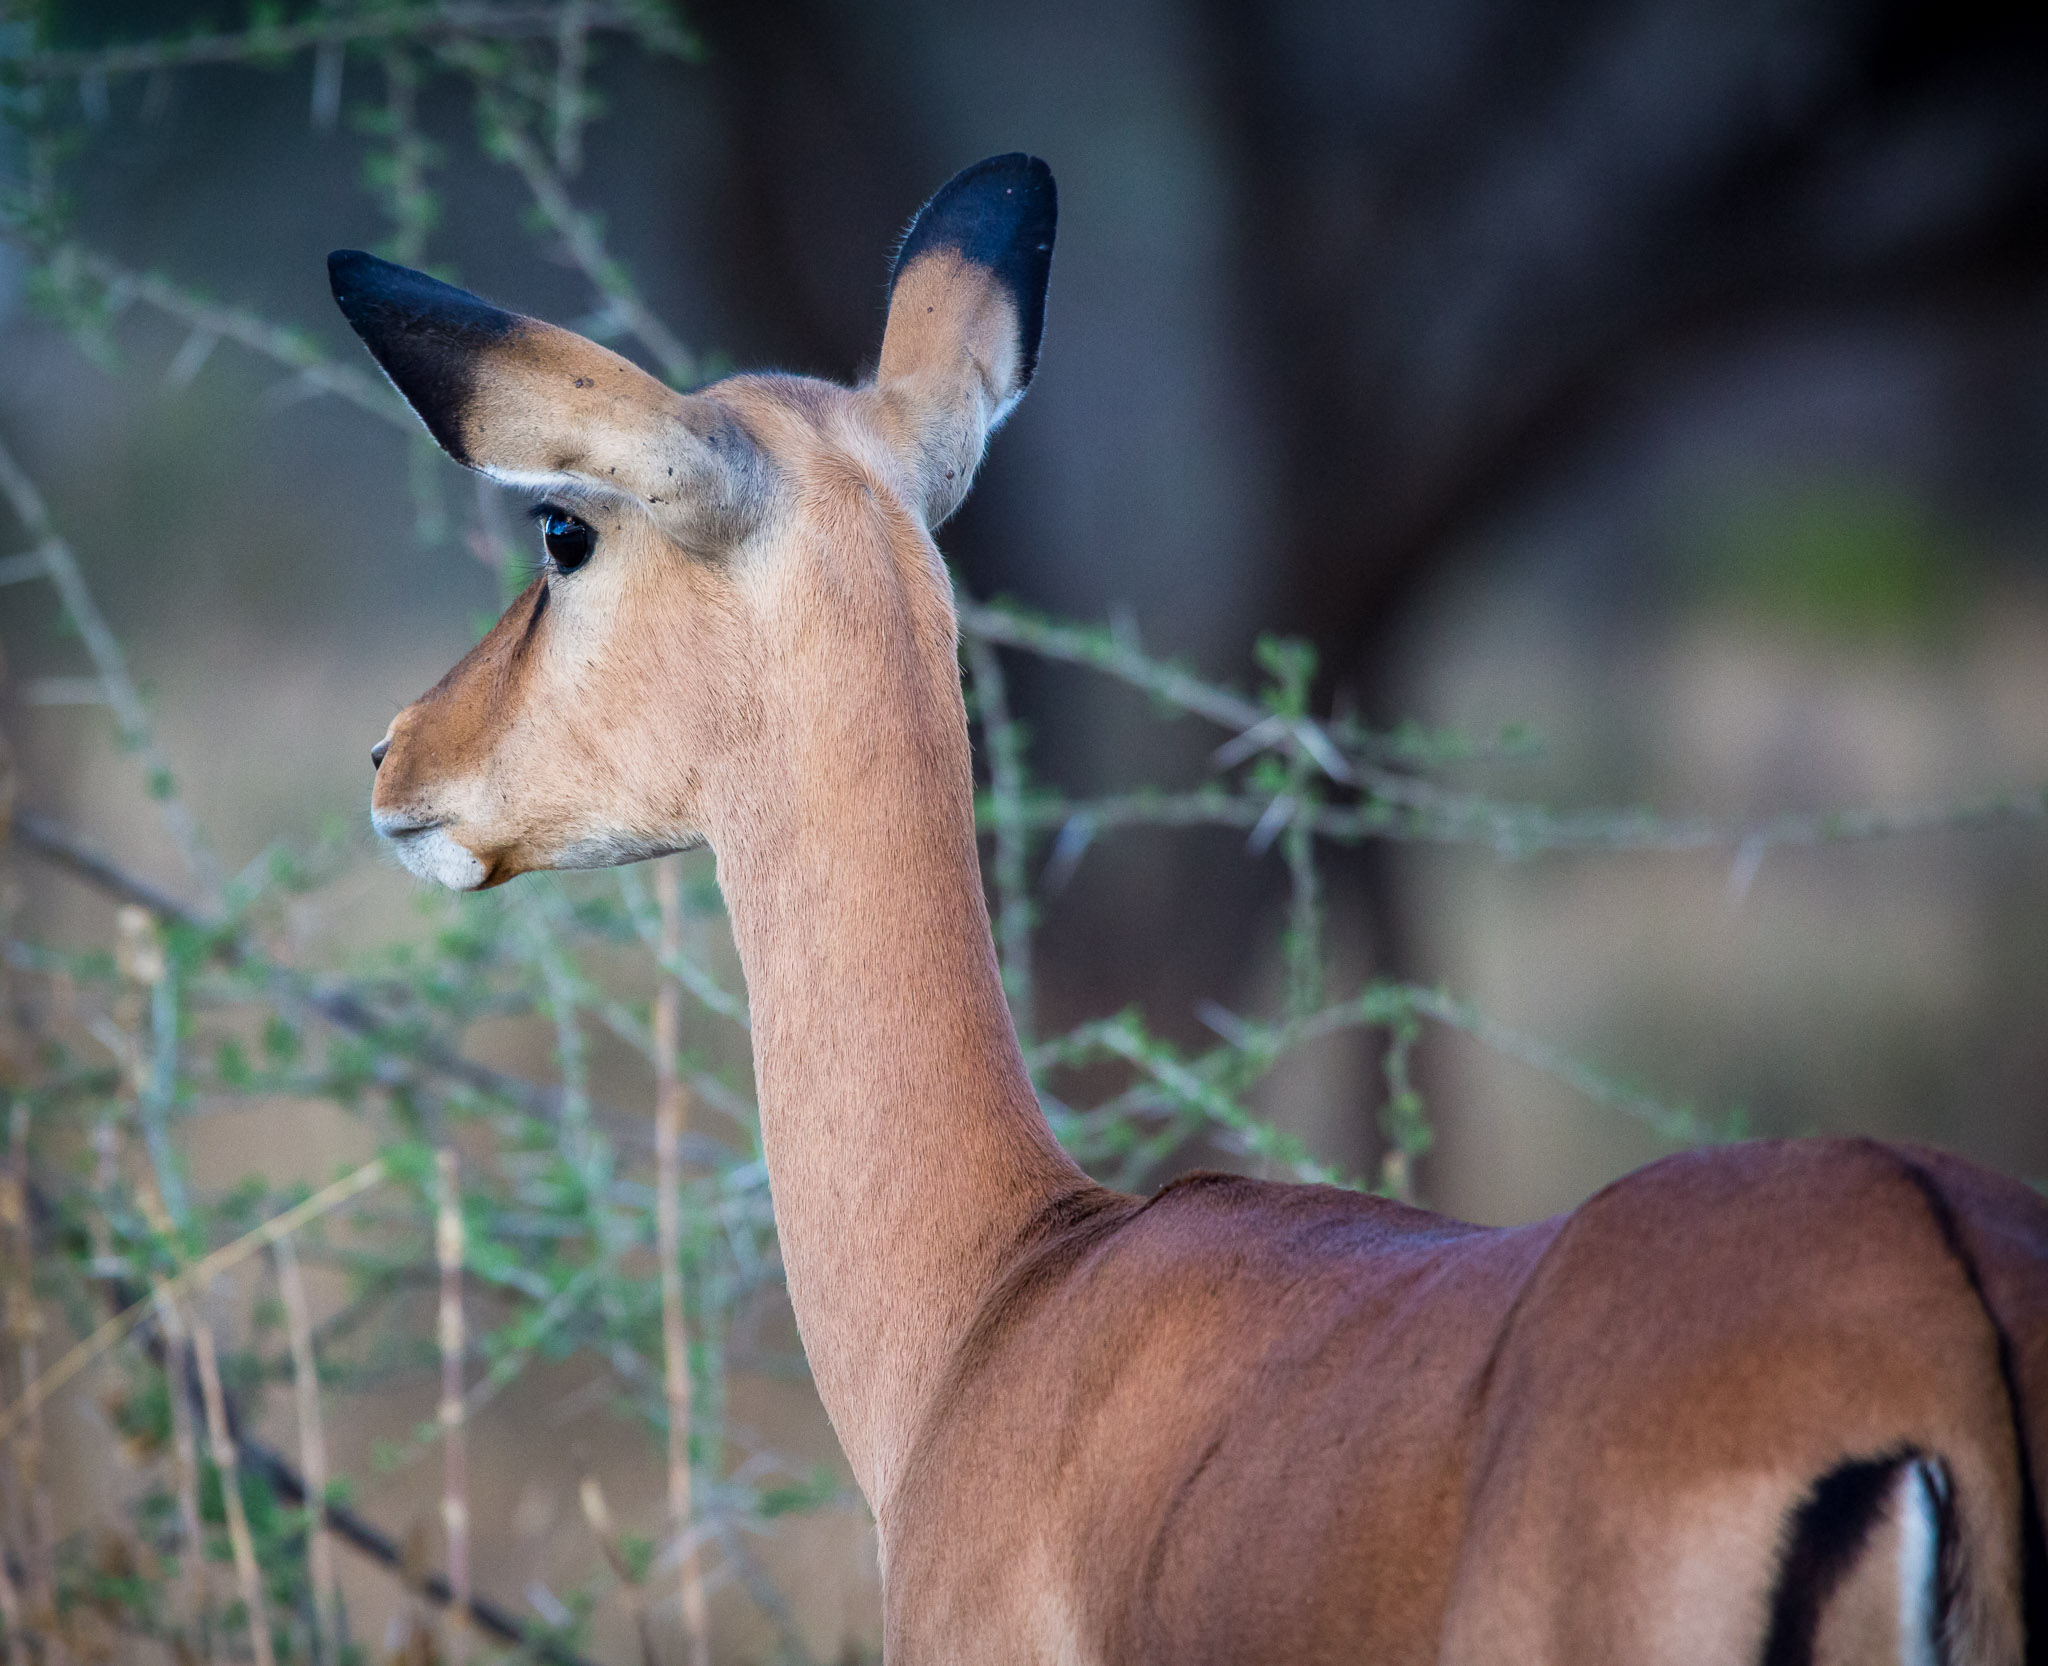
(377, 754)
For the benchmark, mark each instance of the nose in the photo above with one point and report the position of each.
(377, 753)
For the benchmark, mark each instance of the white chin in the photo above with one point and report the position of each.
(437, 858)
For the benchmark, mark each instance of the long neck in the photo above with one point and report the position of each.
(905, 1146)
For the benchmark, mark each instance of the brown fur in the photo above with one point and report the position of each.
(1235, 1422)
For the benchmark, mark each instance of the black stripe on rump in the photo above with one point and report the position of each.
(1827, 1534)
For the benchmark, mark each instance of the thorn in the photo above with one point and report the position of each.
(92, 96)
(1749, 856)
(327, 68)
(1067, 850)
(189, 360)
(1252, 741)
(1225, 1023)
(1277, 815)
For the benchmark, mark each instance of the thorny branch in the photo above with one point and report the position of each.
(269, 42)
(53, 558)
(400, 1058)
(1006, 816)
(312, 371)
(349, 1525)
(507, 136)
(1396, 805)
(1514, 830)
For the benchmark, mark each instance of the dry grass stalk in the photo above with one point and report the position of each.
(185, 1458)
(671, 1109)
(10, 1612)
(106, 1175)
(291, 1287)
(37, 1534)
(598, 1514)
(195, 1275)
(449, 1250)
(410, 1638)
(13, 1537)
(10, 1056)
(221, 1448)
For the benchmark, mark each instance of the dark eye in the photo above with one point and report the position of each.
(567, 539)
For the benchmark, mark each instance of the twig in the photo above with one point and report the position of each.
(1522, 830)
(506, 1368)
(290, 989)
(1006, 782)
(364, 1536)
(222, 1450)
(597, 1515)
(403, 170)
(1302, 943)
(310, 367)
(1252, 1047)
(111, 665)
(24, 1327)
(1124, 1038)
(572, 44)
(1401, 806)
(562, 990)
(678, 965)
(671, 1109)
(449, 1255)
(1108, 652)
(208, 1267)
(507, 137)
(185, 1461)
(1677, 1123)
(347, 1525)
(142, 960)
(762, 1590)
(1402, 1121)
(10, 1611)
(291, 1288)
(1116, 655)
(501, 20)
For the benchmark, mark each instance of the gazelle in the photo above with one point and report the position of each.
(1780, 1403)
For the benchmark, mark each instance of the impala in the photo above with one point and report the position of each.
(1776, 1403)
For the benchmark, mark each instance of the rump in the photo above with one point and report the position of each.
(1997, 1230)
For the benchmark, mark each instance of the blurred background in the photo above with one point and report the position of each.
(1651, 393)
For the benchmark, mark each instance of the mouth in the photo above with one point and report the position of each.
(429, 850)
(395, 824)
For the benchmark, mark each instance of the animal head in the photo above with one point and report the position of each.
(709, 557)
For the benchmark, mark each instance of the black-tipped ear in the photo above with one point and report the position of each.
(1000, 214)
(966, 310)
(531, 404)
(426, 334)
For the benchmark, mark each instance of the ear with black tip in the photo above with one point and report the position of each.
(535, 405)
(966, 311)
(427, 335)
